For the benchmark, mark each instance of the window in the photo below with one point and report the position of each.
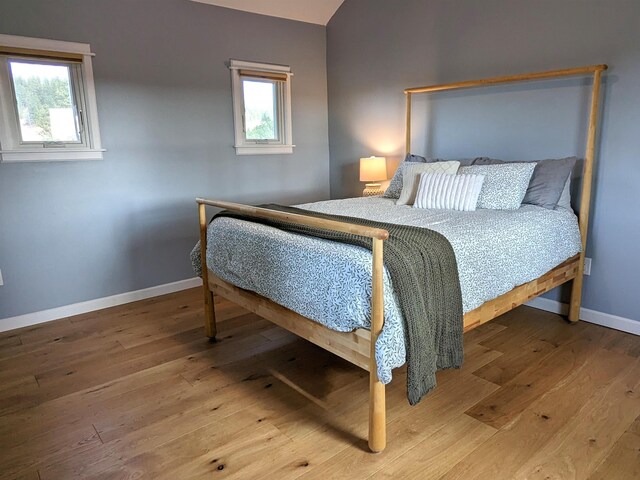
(261, 108)
(47, 101)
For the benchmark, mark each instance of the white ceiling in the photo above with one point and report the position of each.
(311, 11)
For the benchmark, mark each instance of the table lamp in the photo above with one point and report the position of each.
(373, 169)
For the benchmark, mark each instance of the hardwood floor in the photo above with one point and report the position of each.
(137, 392)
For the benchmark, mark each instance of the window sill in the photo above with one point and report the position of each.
(263, 149)
(50, 155)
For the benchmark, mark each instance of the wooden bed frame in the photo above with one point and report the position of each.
(358, 347)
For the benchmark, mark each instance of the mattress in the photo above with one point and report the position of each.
(330, 283)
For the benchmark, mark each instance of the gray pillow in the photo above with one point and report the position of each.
(395, 186)
(565, 197)
(548, 181)
(504, 186)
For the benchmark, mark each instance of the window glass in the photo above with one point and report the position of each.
(260, 109)
(45, 102)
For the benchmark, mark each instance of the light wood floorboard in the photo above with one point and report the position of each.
(136, 391)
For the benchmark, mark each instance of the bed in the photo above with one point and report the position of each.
(504, 258)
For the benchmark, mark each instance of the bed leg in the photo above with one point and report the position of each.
(576, 295)
(377, 401)
(210, 329)
(377, 414)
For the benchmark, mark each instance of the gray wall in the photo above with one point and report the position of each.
(76, 231)
(376, 48)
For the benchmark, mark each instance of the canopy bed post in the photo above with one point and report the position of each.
(407, 149)
(585, 201)
(377, 408)
(210, 329)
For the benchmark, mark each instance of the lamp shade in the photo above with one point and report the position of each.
(373, 169)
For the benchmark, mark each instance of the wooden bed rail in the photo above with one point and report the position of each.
(377, 399)
(362, 230)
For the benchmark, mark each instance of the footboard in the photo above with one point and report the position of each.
(357, 348)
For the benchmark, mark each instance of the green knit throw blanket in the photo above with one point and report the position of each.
(424, 274)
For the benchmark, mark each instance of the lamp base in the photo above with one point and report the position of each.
(372, 189)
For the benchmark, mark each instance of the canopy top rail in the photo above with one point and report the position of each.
(508, 79)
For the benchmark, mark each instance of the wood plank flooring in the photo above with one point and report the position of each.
(136, 391)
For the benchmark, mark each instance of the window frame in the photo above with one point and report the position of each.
(284, 143)
(12, 147)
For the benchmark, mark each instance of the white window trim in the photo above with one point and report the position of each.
(10, 152)
(251, 148)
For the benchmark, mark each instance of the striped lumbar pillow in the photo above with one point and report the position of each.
(448, 192)
(411, 176)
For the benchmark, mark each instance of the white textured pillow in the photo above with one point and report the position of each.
(505, 184)
(449, 192)
(411, 177)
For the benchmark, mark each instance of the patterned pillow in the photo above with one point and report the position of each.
(505, 185)
(395, 186)
(411, 177)
(450, 192)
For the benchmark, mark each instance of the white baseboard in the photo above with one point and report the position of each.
(42, 316)
(591, 316)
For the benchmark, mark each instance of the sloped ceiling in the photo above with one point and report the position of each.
(311, 11)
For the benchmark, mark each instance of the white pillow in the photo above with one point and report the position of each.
(411, 177)
(450, 192)
(505, 184)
